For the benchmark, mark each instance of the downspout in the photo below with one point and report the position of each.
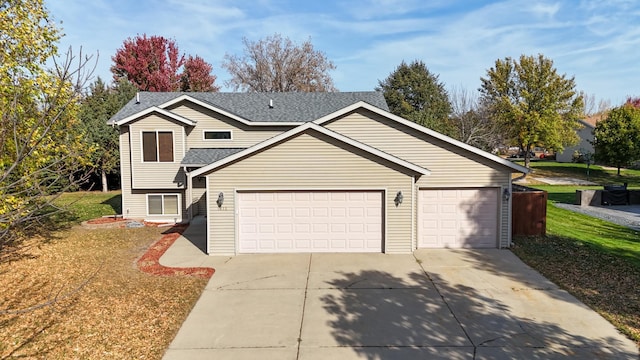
(414, 214)
(510, 215)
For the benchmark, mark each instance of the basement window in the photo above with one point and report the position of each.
(162, 204)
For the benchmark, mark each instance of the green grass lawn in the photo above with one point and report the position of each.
(597, 173)
(597, 261)
(608, 237)
(86, 205)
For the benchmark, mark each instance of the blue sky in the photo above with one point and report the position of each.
(596, 41)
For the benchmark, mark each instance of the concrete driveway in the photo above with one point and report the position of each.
(448, 304)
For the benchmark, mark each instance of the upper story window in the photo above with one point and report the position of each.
(217, 134)
(157, 146)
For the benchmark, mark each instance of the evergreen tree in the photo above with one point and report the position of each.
(414, 93)
(100, 104)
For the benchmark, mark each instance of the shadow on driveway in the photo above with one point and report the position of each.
(434, 317)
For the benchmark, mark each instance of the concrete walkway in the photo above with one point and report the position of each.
(436, 304)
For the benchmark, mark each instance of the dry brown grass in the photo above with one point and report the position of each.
(105, 309)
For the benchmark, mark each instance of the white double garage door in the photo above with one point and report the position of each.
(353, 221)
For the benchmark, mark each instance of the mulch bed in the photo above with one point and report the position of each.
(106, 220)
(150, 262)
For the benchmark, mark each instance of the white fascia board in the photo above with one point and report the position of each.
(413, 125)
(225, 113)
(298, 130)
(159, 111)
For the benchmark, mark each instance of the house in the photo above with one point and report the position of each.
(585, 144)
(308, 172)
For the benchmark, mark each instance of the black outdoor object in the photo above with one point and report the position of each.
(615, 195)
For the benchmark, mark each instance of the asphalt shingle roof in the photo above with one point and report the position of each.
(202, 157)
(287, 107)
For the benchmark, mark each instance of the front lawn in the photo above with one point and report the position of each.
(595, 260)
(86, 205)
(98, 305)
(597, 173)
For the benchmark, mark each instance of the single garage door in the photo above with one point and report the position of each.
(457, 218)
(310, 221)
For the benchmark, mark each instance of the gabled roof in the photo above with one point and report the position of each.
(254, 108)
(424, 130)
(304, 127)
(198, 157)
(592, 120)
(150, 110)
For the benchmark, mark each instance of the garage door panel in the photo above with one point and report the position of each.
(328, 221)
(458, 218)
(320, 212)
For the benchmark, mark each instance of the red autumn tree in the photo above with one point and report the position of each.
(635, 102)
(154, 63)
(197, 75)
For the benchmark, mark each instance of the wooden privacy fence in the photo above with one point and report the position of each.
(528, 211)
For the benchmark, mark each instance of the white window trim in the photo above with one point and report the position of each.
(173, 138)
(178, 215)
(217, 130)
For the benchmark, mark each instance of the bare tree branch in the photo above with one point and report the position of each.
(276, 64)
(38, 126)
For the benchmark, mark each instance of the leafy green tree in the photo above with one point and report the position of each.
(41, 146)
(532, 103)
(414, 93)
(97, 107)
(617, 137)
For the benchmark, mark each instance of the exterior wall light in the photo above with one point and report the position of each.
(220, 200)
(399, 198)
(506, 195)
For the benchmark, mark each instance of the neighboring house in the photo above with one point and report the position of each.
(584, 145)
(308, 172)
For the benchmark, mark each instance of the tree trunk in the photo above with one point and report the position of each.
(618, 170)
(527, 159)
(103, 175)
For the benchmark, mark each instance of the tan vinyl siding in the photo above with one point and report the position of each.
(310, 161)
(137, 205)
(199, 198)
(134, 202)
(157, 175)
(450, 166)
(125, 171)
(242, 136)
